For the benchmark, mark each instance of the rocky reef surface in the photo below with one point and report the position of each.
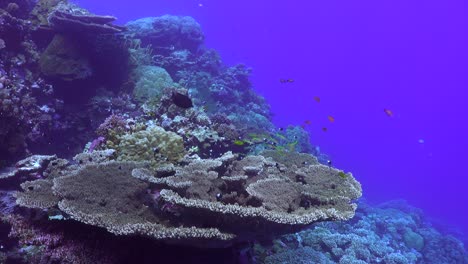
(131, 143)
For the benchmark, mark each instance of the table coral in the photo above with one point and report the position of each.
(202, 202)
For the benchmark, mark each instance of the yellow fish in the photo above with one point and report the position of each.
(239, 142)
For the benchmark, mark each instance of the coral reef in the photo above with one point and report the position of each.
(63, 59)
(152, 144)
(57, 241)
(69, 18)
(206, 202)
(34, 107)
(167, 32)
(388, 233)
(32, 166)
(26, 109)
(49, 244)
(174, 43)
(174, 147)
(150, 82)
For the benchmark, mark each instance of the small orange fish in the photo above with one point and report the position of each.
(317, 99)
(331, 118)
(388, 112)
(286, 80)
(307, 122)
(324, 129)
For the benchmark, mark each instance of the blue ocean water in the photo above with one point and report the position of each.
(376, 89)
(359, 58)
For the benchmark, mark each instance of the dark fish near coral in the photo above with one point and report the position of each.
(181, 100)
(286, 80)
(324, 129)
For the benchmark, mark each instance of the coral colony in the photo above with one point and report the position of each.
(137, 137)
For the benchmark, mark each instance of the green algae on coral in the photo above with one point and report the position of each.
(342, 175)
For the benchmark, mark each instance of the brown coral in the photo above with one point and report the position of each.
(36, 194)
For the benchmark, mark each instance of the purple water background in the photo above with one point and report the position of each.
(359, 57)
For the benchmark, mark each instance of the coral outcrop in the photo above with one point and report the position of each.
(168, 32)
(176, 139)
(388, 233)
(152, 144)
(204, 202)
(150, 82)
(69, 18)
(63, 59)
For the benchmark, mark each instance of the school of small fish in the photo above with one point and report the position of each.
(317, 99)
